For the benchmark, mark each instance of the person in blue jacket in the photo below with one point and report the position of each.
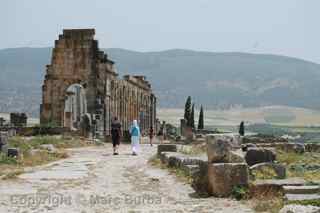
(135, 137)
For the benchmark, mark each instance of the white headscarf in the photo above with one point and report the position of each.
(135, 123)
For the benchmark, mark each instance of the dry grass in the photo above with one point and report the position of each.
(12, 167)
(269, 200)
(43, 157)
(12, 174)
(264, 173)
(294, 158)
(155, 161)
(269, 204)
(291, 158)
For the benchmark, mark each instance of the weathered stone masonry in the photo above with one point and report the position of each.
(81, 81)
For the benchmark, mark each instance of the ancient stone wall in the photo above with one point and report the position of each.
(77, 60)
(18, 119)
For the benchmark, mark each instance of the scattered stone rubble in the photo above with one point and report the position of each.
(13, 152)
(260, 139)
(216, 173)
(279, 143)
(4, 147)
(228, 165)
(49, 147)
(259, 155)
(3, 140)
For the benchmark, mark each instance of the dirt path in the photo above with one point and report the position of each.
(93, 180)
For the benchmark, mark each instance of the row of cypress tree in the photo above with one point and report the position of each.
(189, 115)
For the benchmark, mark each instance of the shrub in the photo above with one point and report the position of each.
(240, 192)
(7, 160)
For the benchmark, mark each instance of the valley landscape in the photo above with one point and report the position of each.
(265, 80)
(275, 115)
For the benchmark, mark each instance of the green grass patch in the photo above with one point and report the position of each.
(315, 202)
(7, 160)
(240, 192)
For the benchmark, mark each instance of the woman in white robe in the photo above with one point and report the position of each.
(135, 137)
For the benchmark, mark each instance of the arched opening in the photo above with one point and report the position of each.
(75, 106)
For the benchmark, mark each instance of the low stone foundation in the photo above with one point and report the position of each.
(33, 131)
(167, 148)
(215, 173)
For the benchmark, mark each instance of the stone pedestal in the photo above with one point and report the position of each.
(217, 149)
(223, 177)
(3, 138)
(258, 155)
(167, 148)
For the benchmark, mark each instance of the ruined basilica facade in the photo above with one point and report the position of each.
(82, 88)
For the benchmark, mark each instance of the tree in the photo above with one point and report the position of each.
(241, 128)
(201, 119)
(191, 124)
(187, 110)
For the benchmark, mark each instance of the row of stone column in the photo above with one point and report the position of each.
(129, 102)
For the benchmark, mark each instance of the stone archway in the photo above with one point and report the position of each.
(75, 106)
(81, 79)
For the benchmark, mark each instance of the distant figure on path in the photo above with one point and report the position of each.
(135, 137)
(163, 132)
(116, 135)
(151, 134)
(241, 129)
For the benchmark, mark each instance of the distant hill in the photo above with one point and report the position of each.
(217, 80)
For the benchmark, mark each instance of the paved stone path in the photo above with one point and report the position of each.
(93, 180)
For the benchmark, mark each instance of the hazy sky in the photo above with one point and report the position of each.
(286, 27)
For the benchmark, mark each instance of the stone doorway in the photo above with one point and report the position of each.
(75, 106)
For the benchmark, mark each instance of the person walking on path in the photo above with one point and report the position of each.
(163, 132)
(151, 134)
(116, 135)
(135, 137)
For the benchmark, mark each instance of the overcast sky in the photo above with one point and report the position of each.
(285, 27)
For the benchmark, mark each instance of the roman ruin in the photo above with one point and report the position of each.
(82, 88)
(18, 119)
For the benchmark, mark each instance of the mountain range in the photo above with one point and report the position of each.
(215, 80)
